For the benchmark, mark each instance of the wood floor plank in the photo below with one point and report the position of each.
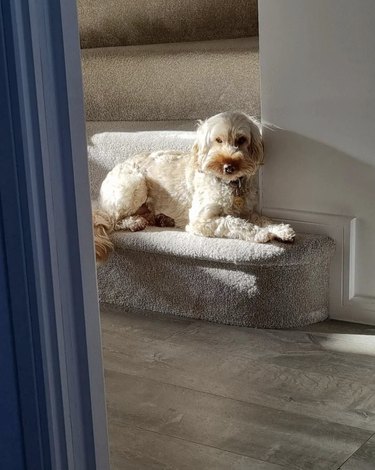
(137, 449)
(140, 323)
(279, 369)
(297, 398)
(259, 432)
(326, 351)
(335, 326)
(363, 459)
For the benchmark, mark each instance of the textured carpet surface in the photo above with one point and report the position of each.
(188, 80)
(172, 242)
(229, 281)
(110, 143)
(130, 22)
(266, 286)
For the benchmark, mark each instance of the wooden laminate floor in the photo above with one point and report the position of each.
(185, 394)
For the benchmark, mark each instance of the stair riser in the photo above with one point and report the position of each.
(252, 296)
(171, 81)
(129, 22)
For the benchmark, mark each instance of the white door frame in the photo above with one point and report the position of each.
(45, 199)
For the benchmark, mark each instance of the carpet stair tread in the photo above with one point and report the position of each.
(174, 81)
(131, 22)
(273, 285)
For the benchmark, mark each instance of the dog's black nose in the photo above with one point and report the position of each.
(228, 168)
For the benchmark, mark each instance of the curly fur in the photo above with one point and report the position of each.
(103, 226)
(209, 192)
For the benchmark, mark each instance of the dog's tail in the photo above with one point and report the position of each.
(103, 225)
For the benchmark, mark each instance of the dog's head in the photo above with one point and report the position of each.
(229, 146)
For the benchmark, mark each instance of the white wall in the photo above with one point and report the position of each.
(318, 87)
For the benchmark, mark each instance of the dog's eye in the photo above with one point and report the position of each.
(218, 140)
(240, 141)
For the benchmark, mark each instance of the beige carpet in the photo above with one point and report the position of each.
(105, 23)
(171, 81)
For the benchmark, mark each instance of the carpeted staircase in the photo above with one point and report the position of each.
(150, 69)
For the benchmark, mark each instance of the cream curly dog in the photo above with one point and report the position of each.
(208, 192)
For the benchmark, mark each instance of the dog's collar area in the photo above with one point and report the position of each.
(236, 185)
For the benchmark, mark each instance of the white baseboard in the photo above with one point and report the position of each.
(346, 303)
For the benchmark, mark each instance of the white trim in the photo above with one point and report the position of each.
(365, 301)
(83, 219)
(351, 267)
(46, 102)
(354, 298)
(345, 303)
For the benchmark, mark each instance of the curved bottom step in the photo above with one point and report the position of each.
(226, 281)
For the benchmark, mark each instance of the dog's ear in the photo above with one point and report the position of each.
(195, 148)
(199, 147)
(256, 148)
(195, 152)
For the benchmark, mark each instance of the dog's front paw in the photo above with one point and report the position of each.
(263, 236)
(283, 232)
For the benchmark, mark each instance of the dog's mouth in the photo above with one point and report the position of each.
(230, 168)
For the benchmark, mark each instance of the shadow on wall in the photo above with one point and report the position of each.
(303, 174)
